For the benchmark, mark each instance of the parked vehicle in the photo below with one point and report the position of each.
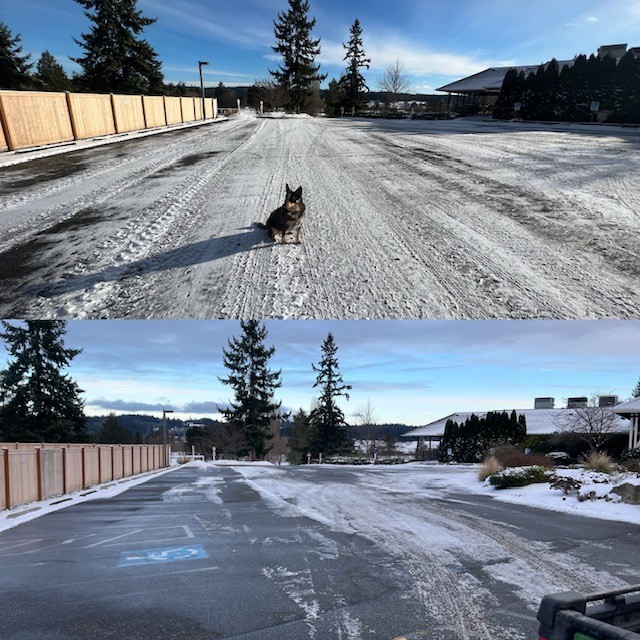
(612, 615)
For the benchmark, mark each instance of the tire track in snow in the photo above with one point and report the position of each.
(495, 251)
(104, 284)
(445, 552)
(400, 224)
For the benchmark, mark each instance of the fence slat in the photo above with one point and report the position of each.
(128, 113)
(91, 114)
(38, 471)
(36, 118)
(32, 118)
(188, 109)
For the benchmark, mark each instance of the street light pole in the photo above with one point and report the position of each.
(164, 424)
(201, 63)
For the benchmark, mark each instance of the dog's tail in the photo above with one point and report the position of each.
(260, 225)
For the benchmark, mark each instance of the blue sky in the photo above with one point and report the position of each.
(410, 371)
(436, 41)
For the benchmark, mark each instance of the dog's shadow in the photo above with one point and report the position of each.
(180, 258)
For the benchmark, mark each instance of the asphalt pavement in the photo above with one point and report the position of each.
(197, 554)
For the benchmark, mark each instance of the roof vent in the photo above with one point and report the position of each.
(544, 403)
(607, 401)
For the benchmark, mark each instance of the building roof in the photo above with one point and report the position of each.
(490, 80)
(539, 421)
(632, 407)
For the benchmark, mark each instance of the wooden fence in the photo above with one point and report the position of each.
(30, 472)
(36, 118)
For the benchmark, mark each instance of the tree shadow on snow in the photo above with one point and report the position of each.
(179, 258)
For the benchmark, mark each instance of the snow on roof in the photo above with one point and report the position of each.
(628, 408)
(539, 421)
(490, 80)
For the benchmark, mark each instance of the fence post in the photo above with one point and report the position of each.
(144, 113)
(39, 468)
(84, 469)
(5, 127)
(6, 488)
(72, 119)
(64, 470)
(113, 112)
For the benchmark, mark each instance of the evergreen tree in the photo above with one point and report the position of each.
(297, 73)
(471, 440)
(510, 93)
(254, 385)
(578, 90)
(549, 91)
(39, 402)
(448, 438)
(117, 60)
(300, 438)
(227, 99)
(635, 392)
(626, 88)
(50, 74)
(352, 81)
(335, 99)
(14, 68)
(113, 432)
(327, 418)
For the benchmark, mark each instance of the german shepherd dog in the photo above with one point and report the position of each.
(287, 218)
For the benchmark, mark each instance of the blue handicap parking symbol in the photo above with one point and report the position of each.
(162, 555)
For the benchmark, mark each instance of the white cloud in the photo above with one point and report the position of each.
(414, 59)
(226, 27)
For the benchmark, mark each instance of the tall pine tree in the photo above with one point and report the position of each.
(254, 385)
(327, 418)
(117, 60)
(50, 74)
(297, 73)
(352, 81)
(39, 402)
(14, 67)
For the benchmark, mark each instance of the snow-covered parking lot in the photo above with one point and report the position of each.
(460, 219)
(415, 551)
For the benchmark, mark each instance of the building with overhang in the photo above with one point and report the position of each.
(484, 88)
(631, 411)
(543, 420)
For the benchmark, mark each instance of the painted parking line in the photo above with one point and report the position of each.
(161, 555)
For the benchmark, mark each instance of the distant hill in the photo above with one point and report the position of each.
(136, 423)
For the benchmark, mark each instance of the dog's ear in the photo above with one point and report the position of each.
(298, 192)
(288, 189)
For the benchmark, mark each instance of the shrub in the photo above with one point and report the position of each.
(565, 484)
(601, 462)
(511, 456)
(488, 468)
(519, 477)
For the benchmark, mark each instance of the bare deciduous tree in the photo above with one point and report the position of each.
(593, 424)
(395, 82)
(366, 418)
(273, 95)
